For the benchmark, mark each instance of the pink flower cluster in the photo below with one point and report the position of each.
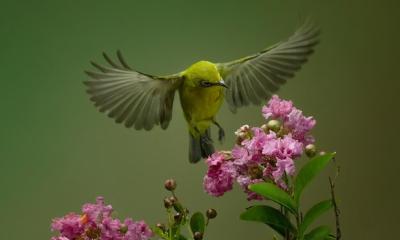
(262, 154)
(291, 117)
(96, 222)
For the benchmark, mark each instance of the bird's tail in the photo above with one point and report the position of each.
(200, 147)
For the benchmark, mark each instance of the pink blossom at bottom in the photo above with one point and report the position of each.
(70, 226)
(220, 175)
(137, 230)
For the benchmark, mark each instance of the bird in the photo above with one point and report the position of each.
(141, 101)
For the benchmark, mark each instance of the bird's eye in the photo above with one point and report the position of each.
(205, 84)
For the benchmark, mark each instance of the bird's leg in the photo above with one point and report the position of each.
(221, 132)
(204, 138)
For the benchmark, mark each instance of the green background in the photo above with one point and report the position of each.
(57, 152)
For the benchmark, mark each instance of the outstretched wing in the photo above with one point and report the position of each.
(254, 78)
(130, 97)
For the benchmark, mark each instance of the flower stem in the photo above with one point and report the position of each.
(335, 206)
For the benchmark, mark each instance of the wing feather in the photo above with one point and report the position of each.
(130, 97)
(254, 78)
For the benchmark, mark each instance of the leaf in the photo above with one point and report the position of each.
(160, 233)
(270, 216)
(181, 237)
(308, 172)
(197, 222)
(271, 191)
(312, 214)
(318, 233)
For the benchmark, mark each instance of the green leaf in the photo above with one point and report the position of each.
(197, 222)
(318, 233)
(308, 172)
(312, 214)
(270, 216)
(160, 233)
(271, 191)
(181, 237)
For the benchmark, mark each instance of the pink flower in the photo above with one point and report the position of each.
(281, 148)
(258, 139)
(220, 175)
(277, 108)
(300, 125)
(70, 226)
(244, 182)
(97, 223)
(136, 230)
(283, 166)
(97, 211)
(110, 229)
(241, 155)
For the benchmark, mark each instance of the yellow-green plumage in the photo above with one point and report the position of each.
(200, 105)
(142, 100)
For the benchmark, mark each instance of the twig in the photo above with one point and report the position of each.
(335, 206)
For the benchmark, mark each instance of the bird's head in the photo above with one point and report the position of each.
(203, 74)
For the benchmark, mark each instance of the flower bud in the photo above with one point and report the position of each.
(322, 153)
(274, 125)
(198, 236)
(167, 203)
(173, 200)
(264, 127)
(178, 217)
(161, 226)
(170, 184)
(242, 129)
(311, 150)
(211, 213)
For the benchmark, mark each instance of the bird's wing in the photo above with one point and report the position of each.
(130, 97)
(254, 78)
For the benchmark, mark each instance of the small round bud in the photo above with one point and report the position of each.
(265, 127)
(211, 213)
(178, 217)
(161, 226)
(198, 236)
(170, 184)
(173, 200)
(167, 203)
(274, 125)
(311, 150)
(322, 153)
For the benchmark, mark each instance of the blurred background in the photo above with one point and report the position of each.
(58, 152)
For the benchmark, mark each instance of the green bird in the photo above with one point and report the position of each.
(142, 100)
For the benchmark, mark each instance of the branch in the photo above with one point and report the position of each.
(335, 206)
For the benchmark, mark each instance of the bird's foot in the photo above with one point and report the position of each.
(221, 132)
(206, 140)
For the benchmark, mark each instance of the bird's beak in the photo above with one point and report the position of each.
(222, 83)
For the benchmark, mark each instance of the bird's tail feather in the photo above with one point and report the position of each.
(201, 147)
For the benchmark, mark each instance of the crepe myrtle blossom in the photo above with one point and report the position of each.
(96, 222)
(220, 175)
(262, 154)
